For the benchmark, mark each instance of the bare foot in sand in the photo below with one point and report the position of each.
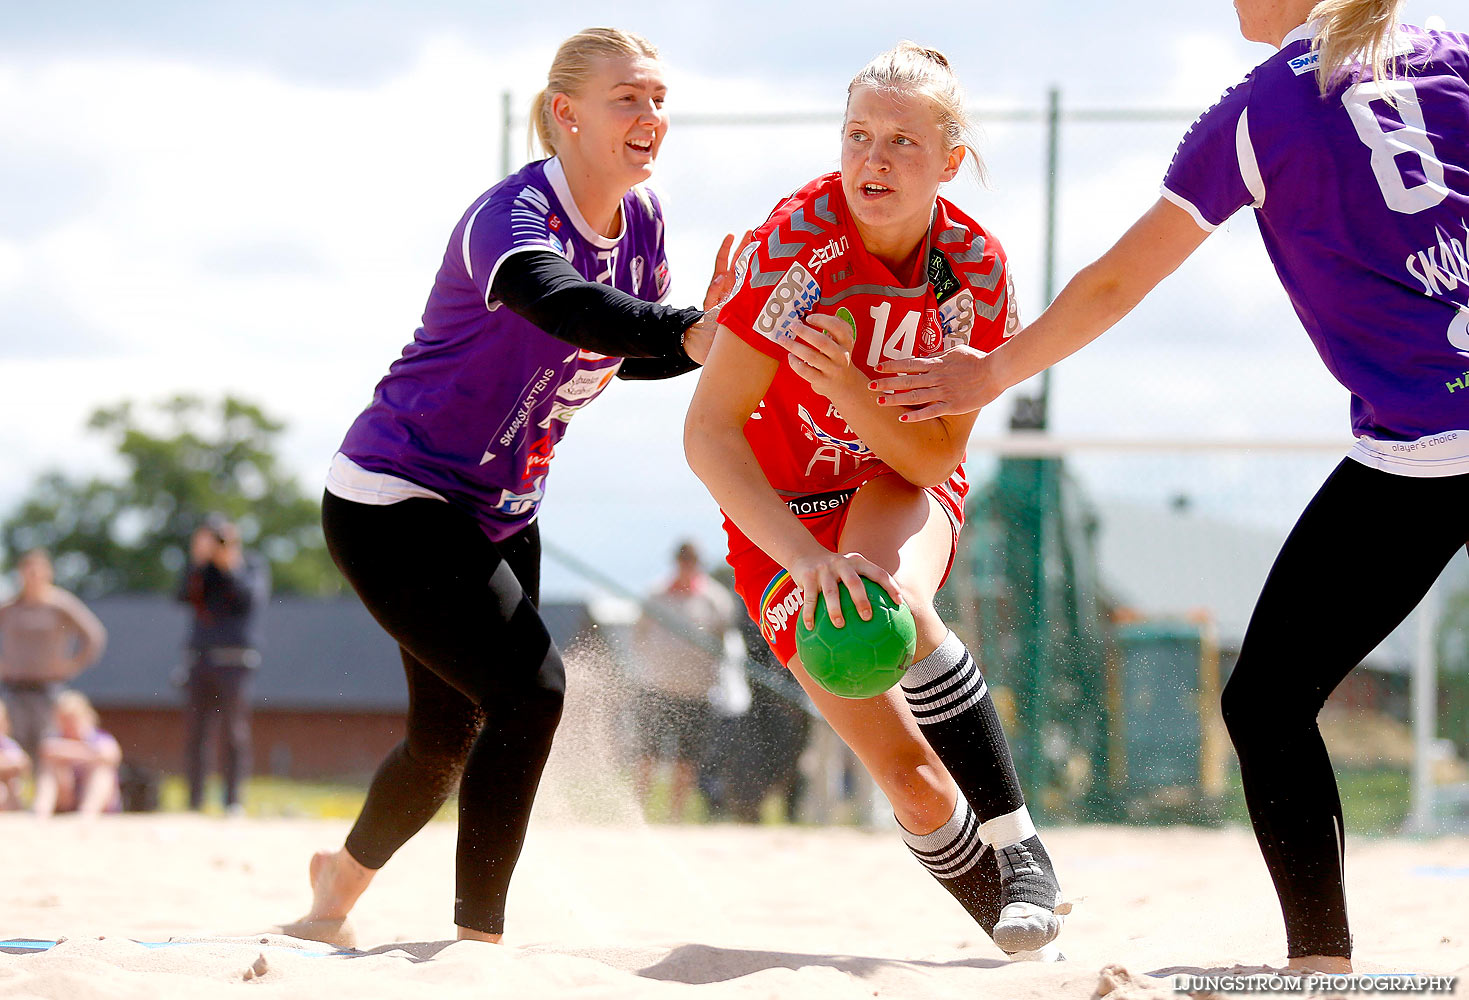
(1330, 965)
(470, 934)
(337, 881)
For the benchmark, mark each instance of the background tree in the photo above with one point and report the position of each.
(181, 459)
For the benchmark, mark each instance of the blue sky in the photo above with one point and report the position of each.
(255, 197)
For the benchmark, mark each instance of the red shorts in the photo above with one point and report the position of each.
(771, 597)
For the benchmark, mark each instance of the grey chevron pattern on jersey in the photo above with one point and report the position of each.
(798, 222)
(974, 254)
(975, 251)
(761, 278)
(777, 250)
(822, 210)
(989, 279)
(990, 312)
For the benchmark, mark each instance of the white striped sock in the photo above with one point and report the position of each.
(943, 684)
(953, 848)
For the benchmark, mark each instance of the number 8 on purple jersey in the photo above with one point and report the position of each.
(1363, 201)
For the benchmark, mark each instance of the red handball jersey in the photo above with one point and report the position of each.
(808, 258)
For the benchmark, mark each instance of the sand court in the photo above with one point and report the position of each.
(629, 910)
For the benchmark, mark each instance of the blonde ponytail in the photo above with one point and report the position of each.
(574, 64)
(1354, 31)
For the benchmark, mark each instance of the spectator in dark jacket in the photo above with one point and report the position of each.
(227, 589)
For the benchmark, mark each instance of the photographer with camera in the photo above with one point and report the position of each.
(227, 588)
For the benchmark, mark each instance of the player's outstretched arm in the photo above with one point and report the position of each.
(963, 380)
(924, 453)
(734, 379)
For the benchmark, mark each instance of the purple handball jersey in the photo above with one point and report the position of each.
(474, 408)
(1362, 202)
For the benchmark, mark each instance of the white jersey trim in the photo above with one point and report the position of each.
(1429, 457)
(1300, 33)
(469, 228)
(1249, 167)
(556, 175)
(1188, 207)
(350, 481)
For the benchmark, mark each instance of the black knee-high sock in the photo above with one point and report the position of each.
(963, 865)
(954, 711)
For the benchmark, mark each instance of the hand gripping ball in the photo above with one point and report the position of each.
(861, 659)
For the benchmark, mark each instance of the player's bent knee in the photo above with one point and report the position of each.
(921, 795)
(1253, 707)
(1242, 706)
(440, 747)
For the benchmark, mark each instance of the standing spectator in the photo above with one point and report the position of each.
(682, 639)
(77, 771)
(763, 751)
(14, 765)
(47, 637)
(227, 588)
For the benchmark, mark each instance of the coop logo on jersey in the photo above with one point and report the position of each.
(825, 255)
(637, 274)
(956, 318)
(1012, 312)
(554, 222)
(780, 603)
(660, 278)
(586, 383)
(790, 301)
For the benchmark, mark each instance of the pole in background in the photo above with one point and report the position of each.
(505, 134)
(1053, 167)
(1421, 817)
(1033, 485)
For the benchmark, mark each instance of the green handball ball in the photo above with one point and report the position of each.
(860, 659)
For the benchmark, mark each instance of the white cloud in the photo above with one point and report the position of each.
(12, 266)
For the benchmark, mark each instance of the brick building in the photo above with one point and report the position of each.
(329, 695)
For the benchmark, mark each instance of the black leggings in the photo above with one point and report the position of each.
(1360, 558)
(219, 697)
(485, 685)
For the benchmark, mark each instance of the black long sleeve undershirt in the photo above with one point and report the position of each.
(545, 289)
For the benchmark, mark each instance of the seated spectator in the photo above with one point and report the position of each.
(14, 765)
(77, 771)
